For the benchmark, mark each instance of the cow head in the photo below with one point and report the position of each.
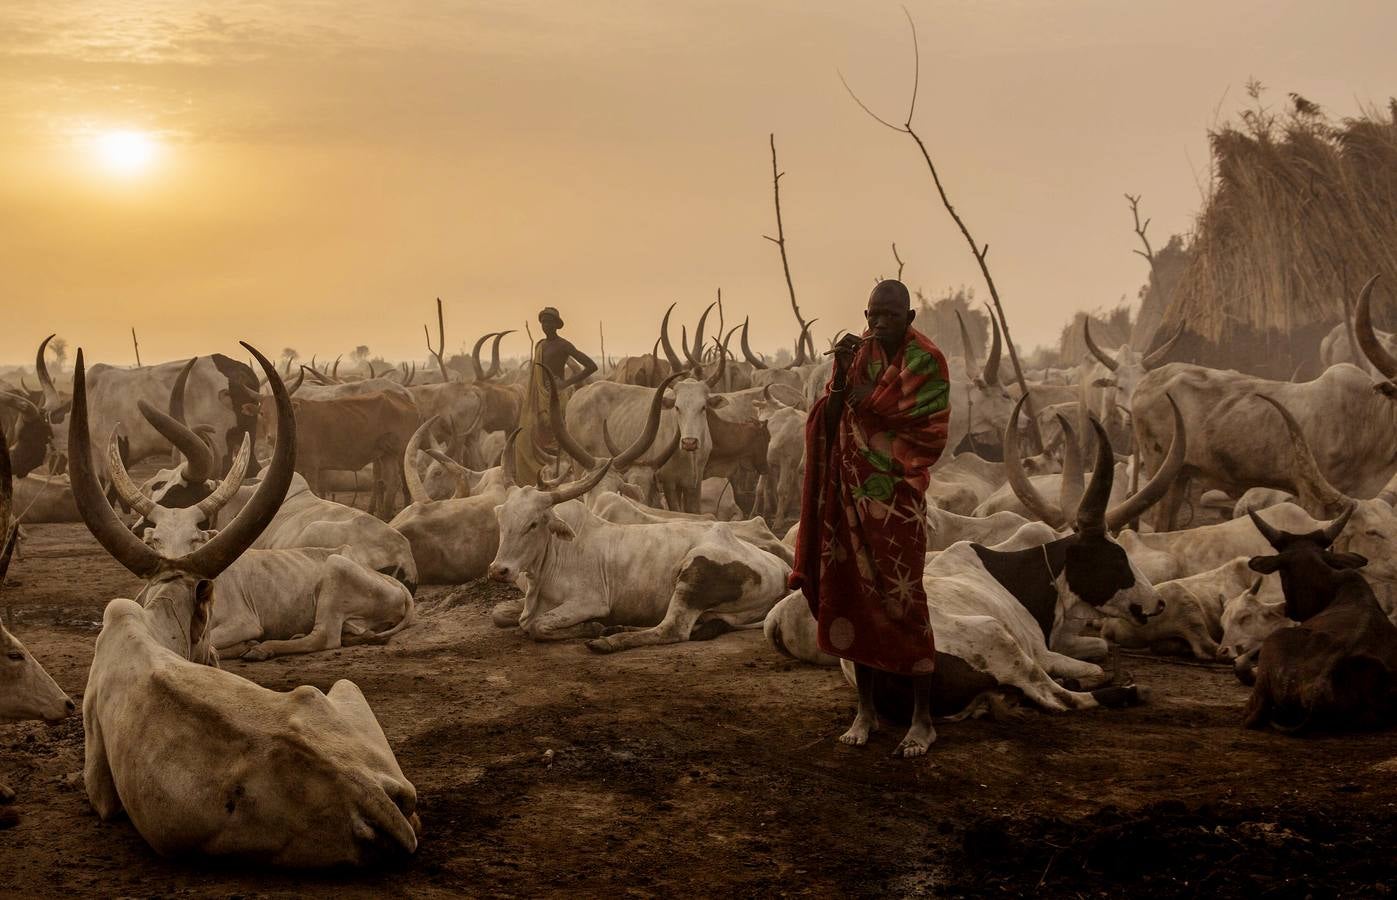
(1096, 570)
(1306, 564)
(1247, 621)
(33, 436)
(189, 482)
(177, 558)
(987, 402)
(1119, 373)
(529, 523)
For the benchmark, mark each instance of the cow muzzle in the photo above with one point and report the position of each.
(688, 444)
(501, 573)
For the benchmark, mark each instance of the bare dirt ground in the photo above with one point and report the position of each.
(713, 769)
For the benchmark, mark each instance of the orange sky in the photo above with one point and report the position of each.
(330, 167)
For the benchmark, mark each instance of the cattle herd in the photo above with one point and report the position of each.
(1124, 502)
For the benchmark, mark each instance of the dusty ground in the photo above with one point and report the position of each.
(712, 769)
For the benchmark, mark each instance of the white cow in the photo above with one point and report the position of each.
(202, 761)
(652, 584)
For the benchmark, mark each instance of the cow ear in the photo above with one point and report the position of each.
(668, 403)
(560, 529)
(1103, 382)
(1345, 560)
(203, 608)
(717, 402)
(1264, 564)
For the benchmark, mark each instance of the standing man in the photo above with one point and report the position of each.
(869, 443)
(553, 353)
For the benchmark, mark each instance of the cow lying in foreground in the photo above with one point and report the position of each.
(995, 614)
(1337, 669)
(627, 586)
(206, 763)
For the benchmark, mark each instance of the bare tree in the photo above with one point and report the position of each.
(288, 356)
(780, 242)
(361, 353)
(980, 252)
(441, 343)
(58, 349)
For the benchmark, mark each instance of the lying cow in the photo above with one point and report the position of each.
(1336, 669)
(627, 586)
(995, 614)
(202, 761)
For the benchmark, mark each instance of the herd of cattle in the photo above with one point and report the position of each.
(1260, 535)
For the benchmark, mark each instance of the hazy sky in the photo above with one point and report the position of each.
(327, 168)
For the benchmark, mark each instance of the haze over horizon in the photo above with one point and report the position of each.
(313, 174)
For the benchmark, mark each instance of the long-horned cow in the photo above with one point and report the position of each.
(204, 762)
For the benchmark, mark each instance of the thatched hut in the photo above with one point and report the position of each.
(1301, 213)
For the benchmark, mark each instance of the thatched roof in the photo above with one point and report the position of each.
(1301, 213)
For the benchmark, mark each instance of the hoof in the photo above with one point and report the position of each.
(600, 645)
(506, 614)
(256, 654)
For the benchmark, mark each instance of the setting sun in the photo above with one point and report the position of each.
(126, 152)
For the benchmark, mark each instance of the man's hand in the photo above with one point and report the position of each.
(844, 352)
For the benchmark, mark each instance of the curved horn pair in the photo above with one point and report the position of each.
(800, 358)
(208, 560)
(579, 487)
(675, 363)
(199, 459)
(991, 373)
(1092, 512)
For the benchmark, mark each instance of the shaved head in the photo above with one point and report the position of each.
(889, 314)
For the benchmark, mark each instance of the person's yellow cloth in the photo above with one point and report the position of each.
(536, 446)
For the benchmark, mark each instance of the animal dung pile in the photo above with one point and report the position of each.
(1300, 214)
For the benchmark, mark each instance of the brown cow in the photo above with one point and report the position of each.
(1337, 669)
(352, 432)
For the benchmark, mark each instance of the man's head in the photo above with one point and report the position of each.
(889, 313)
(550, 320)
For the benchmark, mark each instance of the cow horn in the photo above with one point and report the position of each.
(1096, 351)
(800, 357)
(507, 461)
(1071, 486)
(1018, 479)
(199, 461)
(412, 480)
(717, 377)
(655, 351)
(675, 363)
(1156, 357)
(1134, 506)
(1091, 512)
(696, 355)
(581, 486)
(475, 356)
(991, 374)
(647, 436)
(1314, 489)
(21, 404)
(608, 440)
(1335, 528)
(972, 357)
(230, 543)
(1363, 330)
(747, 348)
(1272, 536)
(51, 400)
(176, 405)
(771, 398)
(495, 354)
(232, 481)
(125, 488)
(96, 513)
(561, 434)
(335, 370)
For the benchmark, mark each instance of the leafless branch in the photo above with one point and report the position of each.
(440, 349)
(1148, 252)
(980, 253)
(780, 242)
(137, 344)
(899, 261)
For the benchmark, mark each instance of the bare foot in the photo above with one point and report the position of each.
(858, 733)
(919, 738)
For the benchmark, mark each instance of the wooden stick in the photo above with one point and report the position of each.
(137, 344)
